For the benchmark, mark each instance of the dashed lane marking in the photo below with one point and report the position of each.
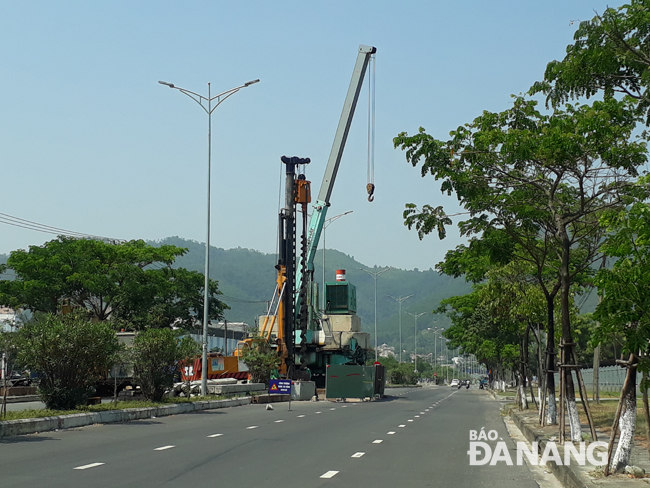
(215, 435)
(377, 441)
(279, 421)
(252, 427)
(417, 416)
(319, 412)
(164, 448)
(333, 409)
(390, 433)
(357, 454)
(86, 466)
(300, 416)
(402, 425)
(329, 474)
(410, 420)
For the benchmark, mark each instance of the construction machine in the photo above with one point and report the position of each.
(309, 339)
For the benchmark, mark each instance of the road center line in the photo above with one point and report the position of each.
(86, 466)
(329, 474)
(163, 448)
(215, 435)
(357, 454)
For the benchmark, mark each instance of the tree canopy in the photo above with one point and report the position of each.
(131, 284)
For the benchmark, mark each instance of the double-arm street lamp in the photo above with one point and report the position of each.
(208, 104)
(400, 300)
(375, 275)
(416, 316)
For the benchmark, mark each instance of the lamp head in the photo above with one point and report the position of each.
(170, 85)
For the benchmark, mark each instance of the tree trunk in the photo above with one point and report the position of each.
(522, 371)
(627, 420)
(565, 301)
(551, 410)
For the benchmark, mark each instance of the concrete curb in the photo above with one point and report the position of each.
(45, 424)
(569, 477)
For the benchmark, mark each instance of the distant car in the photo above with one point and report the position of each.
(454, 382)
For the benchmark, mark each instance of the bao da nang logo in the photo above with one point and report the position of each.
(488, 448)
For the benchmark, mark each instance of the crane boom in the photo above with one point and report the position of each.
(319, 211)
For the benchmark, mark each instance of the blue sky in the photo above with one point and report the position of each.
(89, 141)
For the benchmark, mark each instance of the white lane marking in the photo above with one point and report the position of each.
(377, 441)
(410, 420)
(215, 435)
(163, 448)
(426, 410)
(252, 427)
(86, 466)
(333, 409)
(344, 406)
(300, 416)
(319, 412)
(390, 433)
(279, 421)
(417, 416)
(421, 413)
(329, 474)
(357, 454)
(402, 425)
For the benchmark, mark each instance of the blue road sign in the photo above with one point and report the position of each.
(282, 387)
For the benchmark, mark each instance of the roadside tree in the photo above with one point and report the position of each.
(68, 354)
(157, 356)
(530, 175)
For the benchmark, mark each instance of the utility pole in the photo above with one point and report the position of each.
(400, 300)
(375, 275)
(416, 317)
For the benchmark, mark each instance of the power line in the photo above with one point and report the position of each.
(48, 229)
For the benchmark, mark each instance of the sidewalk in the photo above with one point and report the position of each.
(574, 475)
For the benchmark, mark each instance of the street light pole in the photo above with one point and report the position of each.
(400, 300)
(203, 101)
(327, 223)
(375, 275)
(416, 316)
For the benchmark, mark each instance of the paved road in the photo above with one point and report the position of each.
(414, 438)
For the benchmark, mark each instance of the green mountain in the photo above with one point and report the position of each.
(247, 280)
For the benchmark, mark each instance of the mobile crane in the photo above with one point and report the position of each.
(304, 337)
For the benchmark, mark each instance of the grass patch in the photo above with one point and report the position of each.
(103, 407)
(603, 415)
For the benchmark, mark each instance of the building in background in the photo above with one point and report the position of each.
(385, 350)
(8, 320)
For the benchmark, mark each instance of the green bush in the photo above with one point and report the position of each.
(261, 360)
(69, 354)
(156, 355)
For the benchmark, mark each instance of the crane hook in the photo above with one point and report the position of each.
(371, 191)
